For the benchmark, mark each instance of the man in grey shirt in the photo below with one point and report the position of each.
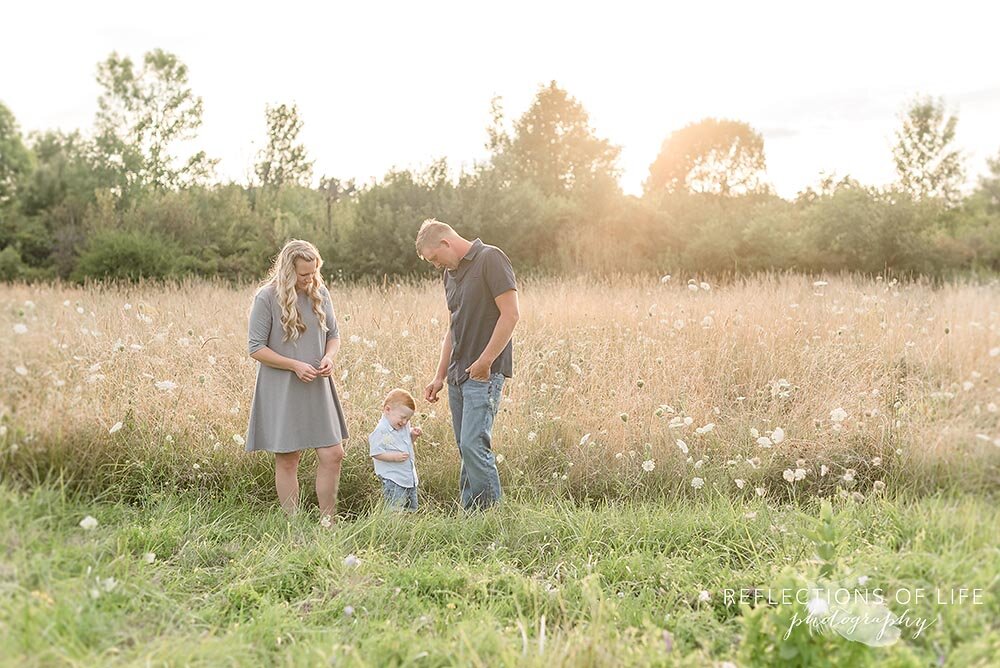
(477, 351)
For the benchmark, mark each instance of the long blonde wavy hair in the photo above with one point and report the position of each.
(283, 277)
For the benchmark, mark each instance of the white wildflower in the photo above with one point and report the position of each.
(88, 523)
(115, 428)
(697, 483)
(818, 606)
(648, 465)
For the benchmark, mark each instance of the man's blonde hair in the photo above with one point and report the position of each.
(432, 231)
(399, 397)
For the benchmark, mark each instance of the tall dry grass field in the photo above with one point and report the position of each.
(630, 388)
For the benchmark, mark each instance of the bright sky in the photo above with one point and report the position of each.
(382, 84)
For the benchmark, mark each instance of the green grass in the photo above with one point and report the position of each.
(532, 583)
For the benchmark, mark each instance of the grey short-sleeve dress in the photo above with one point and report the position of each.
(288, 414)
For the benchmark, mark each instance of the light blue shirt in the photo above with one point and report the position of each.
(385, 439)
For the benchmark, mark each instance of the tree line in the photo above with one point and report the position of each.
(124, 201)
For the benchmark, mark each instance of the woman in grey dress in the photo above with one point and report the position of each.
(293, 334)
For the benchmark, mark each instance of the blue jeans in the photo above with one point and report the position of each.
(474, 405)
(398, 497)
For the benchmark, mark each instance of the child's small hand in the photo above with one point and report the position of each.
(415, 432)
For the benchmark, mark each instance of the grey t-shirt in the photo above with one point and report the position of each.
(482, 275)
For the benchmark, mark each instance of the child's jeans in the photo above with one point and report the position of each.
(398, 497)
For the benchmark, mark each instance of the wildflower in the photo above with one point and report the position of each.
(576, 368)
(355, 338)
(688, 421)
(165, 385)
(764, 442)
(351, 561)
(239, 440)
(820, 284)
(348, 611)
(665, 279)
(704, 286)
(750, 515)
(707, 321)
(876, 461)
(326, 522)
(88, 523)
(760, 491)
(20, 328)
(838, 415)
(679, 324)
(848, 475)
(693, 287)
(857, 497)
(754, 433)
(115, 428)
(21, 370)
(800, 474)
(704, 596)
(683, 446)
(697, 483)
(994, 352)
(818, 606)
(583, 441)
(740, 483)
(778, 435)
(878, 486)
(648, 465)
(823, 470)
(788, 475)
(698, 464)
(499, 459)
(532, 436)
(863, 580)
(149, 557)
(706, 429)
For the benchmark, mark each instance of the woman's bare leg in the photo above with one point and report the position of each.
(328, 478)
(286, 480)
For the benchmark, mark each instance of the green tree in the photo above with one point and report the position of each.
(283, 161)
(928, 165)
(553, 145)
(710, 156)
(15, 159)
(142, 117)
(989, 185)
